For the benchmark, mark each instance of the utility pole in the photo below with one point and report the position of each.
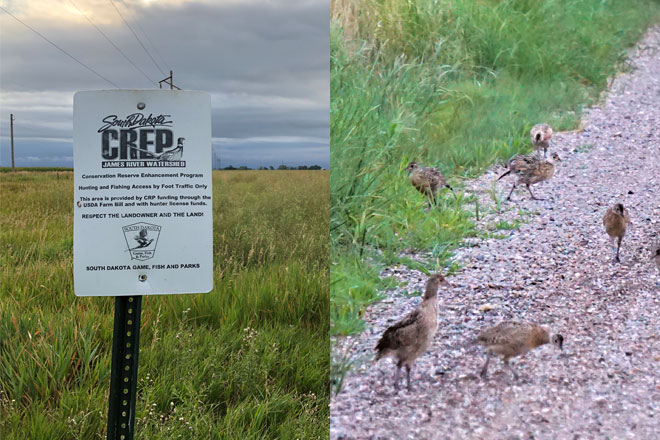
(11, 129)
(169, 80)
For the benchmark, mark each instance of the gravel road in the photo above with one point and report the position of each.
(555, 270)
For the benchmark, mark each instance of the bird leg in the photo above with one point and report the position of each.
(408, 374)
(430, 199)
(506, 362)
(618, 246)
(529, 188)
(484, 369)
(509, 197)
(396, 376)
(433, 199)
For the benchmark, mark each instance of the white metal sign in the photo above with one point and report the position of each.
(143, 211)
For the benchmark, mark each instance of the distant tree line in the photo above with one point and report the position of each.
(281, 167)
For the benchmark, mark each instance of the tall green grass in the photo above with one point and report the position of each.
(248, 360)
(456, 84)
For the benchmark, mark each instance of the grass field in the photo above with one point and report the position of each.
(40, 169)
(455, 84)
(248, 360)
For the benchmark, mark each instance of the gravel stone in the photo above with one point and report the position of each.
(555, 270)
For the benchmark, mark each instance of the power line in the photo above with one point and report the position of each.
(165, 63)
(137, 38)
(111, 42)
(155, 48)
(59, 48)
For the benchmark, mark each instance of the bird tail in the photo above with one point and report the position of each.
(381, 349)
(505, 174)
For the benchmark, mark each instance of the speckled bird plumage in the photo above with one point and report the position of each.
(514, 338)
(616, 221)
(540, 135)
(410, 337)
(426, 180)
(530, 170)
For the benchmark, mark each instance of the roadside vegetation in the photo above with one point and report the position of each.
(248, 360)
(455, 84)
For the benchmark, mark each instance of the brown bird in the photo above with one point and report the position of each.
(530, 170)
(410, 337)
(616, 221)
(656, 257)
(540, 135)
(427, 180)
(513, 338)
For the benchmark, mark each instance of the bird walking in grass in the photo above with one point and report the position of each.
(530, 170)
(616, 221)
(410, 337)
(512, 338)
(540, 135)
(427, 180)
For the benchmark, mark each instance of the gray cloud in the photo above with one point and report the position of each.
(266, 66)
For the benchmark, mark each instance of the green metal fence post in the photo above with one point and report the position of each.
(123, 376)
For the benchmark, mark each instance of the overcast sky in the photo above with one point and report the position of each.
(265, 64)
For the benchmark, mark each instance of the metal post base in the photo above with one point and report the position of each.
(123, 376)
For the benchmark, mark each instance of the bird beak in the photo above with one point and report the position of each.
(446, 283)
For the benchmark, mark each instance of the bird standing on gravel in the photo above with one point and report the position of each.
(427, 180)
(513, 338)
(616, 221)
(530, 170)
(540, 135)
(410, 337)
